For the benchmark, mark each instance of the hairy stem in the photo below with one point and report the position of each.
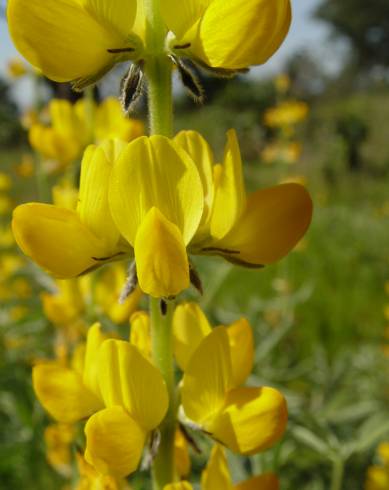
(162, 348)
(158, 70)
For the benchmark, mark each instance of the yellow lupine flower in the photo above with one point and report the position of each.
(252, 230)
(90, 479)
(195, 205)
(140, 334)
(287, 153)
(244, 419)
(383, 453)
(68, 243)
(377, 478)
(286, 114)
(198, 205)
(190, 327)
(16, 68)
(71, 40)
(65, 307)
(6, 237)
(106, 289)
(70, 130)
(109, 388)
(111, 122)
(80, 41)
(64, 139)
(58, 439)
(182, 461)
(70, 394)
(216, 476)
(282, 83)
(6, 204)
(136, 401)
(26, 167)
(65, 195)
(156, 200)
(227, 35)
(182, 485)
(5, 182)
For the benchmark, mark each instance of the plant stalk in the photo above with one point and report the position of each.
(158, 71)
(337, 475)
(162, 349)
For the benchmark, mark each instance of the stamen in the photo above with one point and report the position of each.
(182, 46)
(102, 259)
(163, 307)
(120, 50)
(131, 283)
(220, 250)
(131, 87)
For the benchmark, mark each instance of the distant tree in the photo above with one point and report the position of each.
(354, 132)
(10, 129)
(366, 26)
(306, 74)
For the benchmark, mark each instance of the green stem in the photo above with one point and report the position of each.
(41, 180)
(159, 75)
(158, 69)
(162, 349)
(337, 475)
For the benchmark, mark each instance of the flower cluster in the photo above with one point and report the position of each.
(155, 201)
(128, 206)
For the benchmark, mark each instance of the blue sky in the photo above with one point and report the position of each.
(304, 33)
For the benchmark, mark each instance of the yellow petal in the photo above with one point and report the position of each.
(62, 393)
(268, 481)
(90, 375)
(93, 206)
(53, 145)
(69, 39)
(248, 32)
(252, 420)
(241, 341)
(66, 306)
(161, 258)
(56, 240)
(119, 16)
(274, 221)
(155, 172)
(182, 461)
(140, 334)
(181, 16)
(230, 195)
(128, 379)
(182, 485)
(65, 196)
(111, 122)
(216, 476)
(383, 452)
(65, 121)
(58, 439)
(377, 478)
(190, 327)
(114, 442)
(106, 292)
(200, 152)
(207, 378)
